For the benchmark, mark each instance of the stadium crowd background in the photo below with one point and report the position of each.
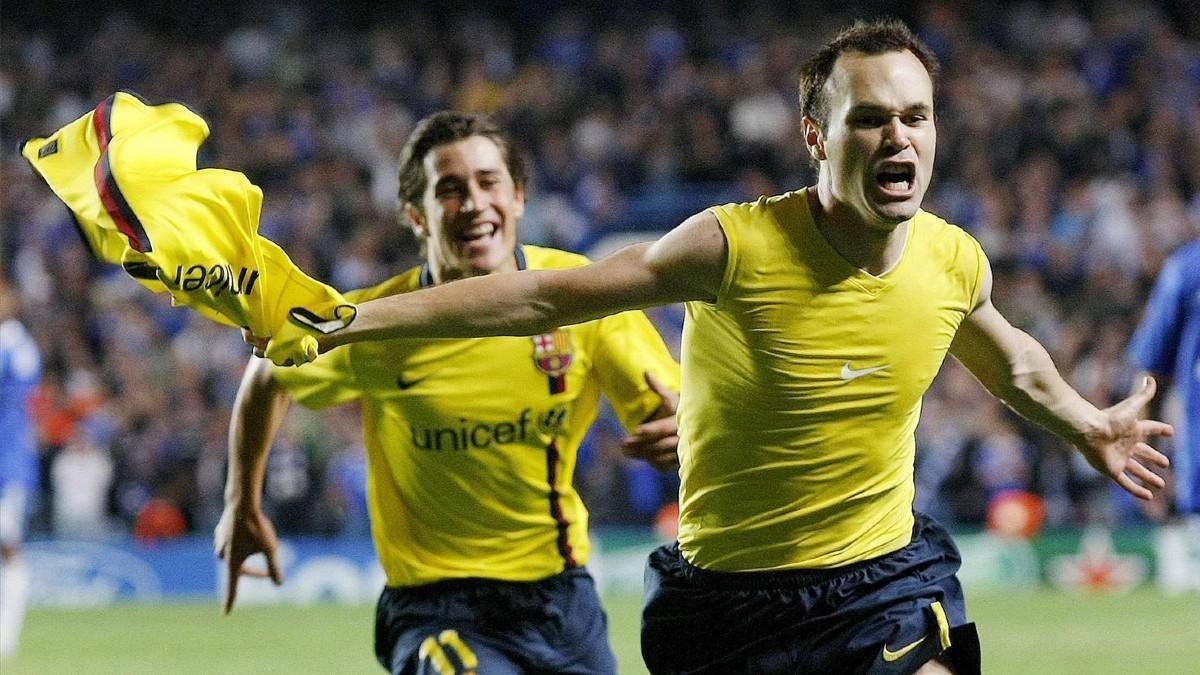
(1068, 134)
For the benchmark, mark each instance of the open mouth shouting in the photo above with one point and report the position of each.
(896, 180)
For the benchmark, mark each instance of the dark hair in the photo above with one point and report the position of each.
(445, 127)
(867, 37)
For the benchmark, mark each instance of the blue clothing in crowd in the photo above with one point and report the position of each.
(20, 371)
(1167, 343)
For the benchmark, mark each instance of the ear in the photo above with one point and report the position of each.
(417, 221)
(813, 139)
(519, 201)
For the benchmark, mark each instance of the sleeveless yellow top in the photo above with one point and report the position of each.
(802, 387)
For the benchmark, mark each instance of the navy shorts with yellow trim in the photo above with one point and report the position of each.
(489, 627)
(891, 614)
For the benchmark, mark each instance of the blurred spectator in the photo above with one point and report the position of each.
(158, 519)
(81, 474)
(1068, 134)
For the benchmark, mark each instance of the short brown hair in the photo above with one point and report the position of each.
(445, 127)
(867, 37)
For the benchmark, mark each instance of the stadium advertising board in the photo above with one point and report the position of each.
(73, 573)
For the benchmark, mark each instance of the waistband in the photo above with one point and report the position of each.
(795, 578)
(485, 585)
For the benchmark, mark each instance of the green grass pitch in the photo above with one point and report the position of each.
(1035, 632)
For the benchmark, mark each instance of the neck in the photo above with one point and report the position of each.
(442, 273)
(872, 249)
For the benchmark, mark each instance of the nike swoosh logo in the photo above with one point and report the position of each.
(343, 316)
(849, 373)
(407, 384)
(327, 327)
(890, 656)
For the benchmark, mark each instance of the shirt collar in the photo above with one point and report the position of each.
(427, 273)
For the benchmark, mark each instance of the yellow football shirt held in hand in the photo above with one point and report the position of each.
(127, 171)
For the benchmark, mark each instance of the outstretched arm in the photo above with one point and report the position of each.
(244, 529)
(687, 263)
(1017, 369)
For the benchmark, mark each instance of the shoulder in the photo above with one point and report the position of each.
(1190, 250)
(937, 225)
(409, 280)
(765, 207)
(1185, 257)
(18, 351)
(14, 336)
(543, 258)
(942, 235)
(760, 227)
(943, 246)
(1177, 276)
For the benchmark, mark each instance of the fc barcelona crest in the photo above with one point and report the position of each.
(552, 356)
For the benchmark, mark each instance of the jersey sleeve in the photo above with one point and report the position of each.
(981, 267)
(733, 252)
(1156, 340)
(627, 347)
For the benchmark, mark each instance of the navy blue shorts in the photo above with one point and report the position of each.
(891, 614)
(491, 627)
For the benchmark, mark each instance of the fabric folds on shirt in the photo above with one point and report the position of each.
(127, 171)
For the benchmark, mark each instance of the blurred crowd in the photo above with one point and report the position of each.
(1068, 134)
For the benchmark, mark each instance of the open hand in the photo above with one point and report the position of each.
(239, 536)
(1120, 451)
(657, 440)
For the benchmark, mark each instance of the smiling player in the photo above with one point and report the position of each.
(471, 443)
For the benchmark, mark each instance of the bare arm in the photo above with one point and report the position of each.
(1017, 369)
(687, 263)
(244, 529)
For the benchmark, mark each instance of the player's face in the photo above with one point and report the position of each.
(470, 209)
(880, 139)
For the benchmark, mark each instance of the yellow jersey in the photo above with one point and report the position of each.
(471, 443)
(802, 387)
(127, 171)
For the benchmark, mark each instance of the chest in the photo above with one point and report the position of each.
(446, 377)
(828, 334)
